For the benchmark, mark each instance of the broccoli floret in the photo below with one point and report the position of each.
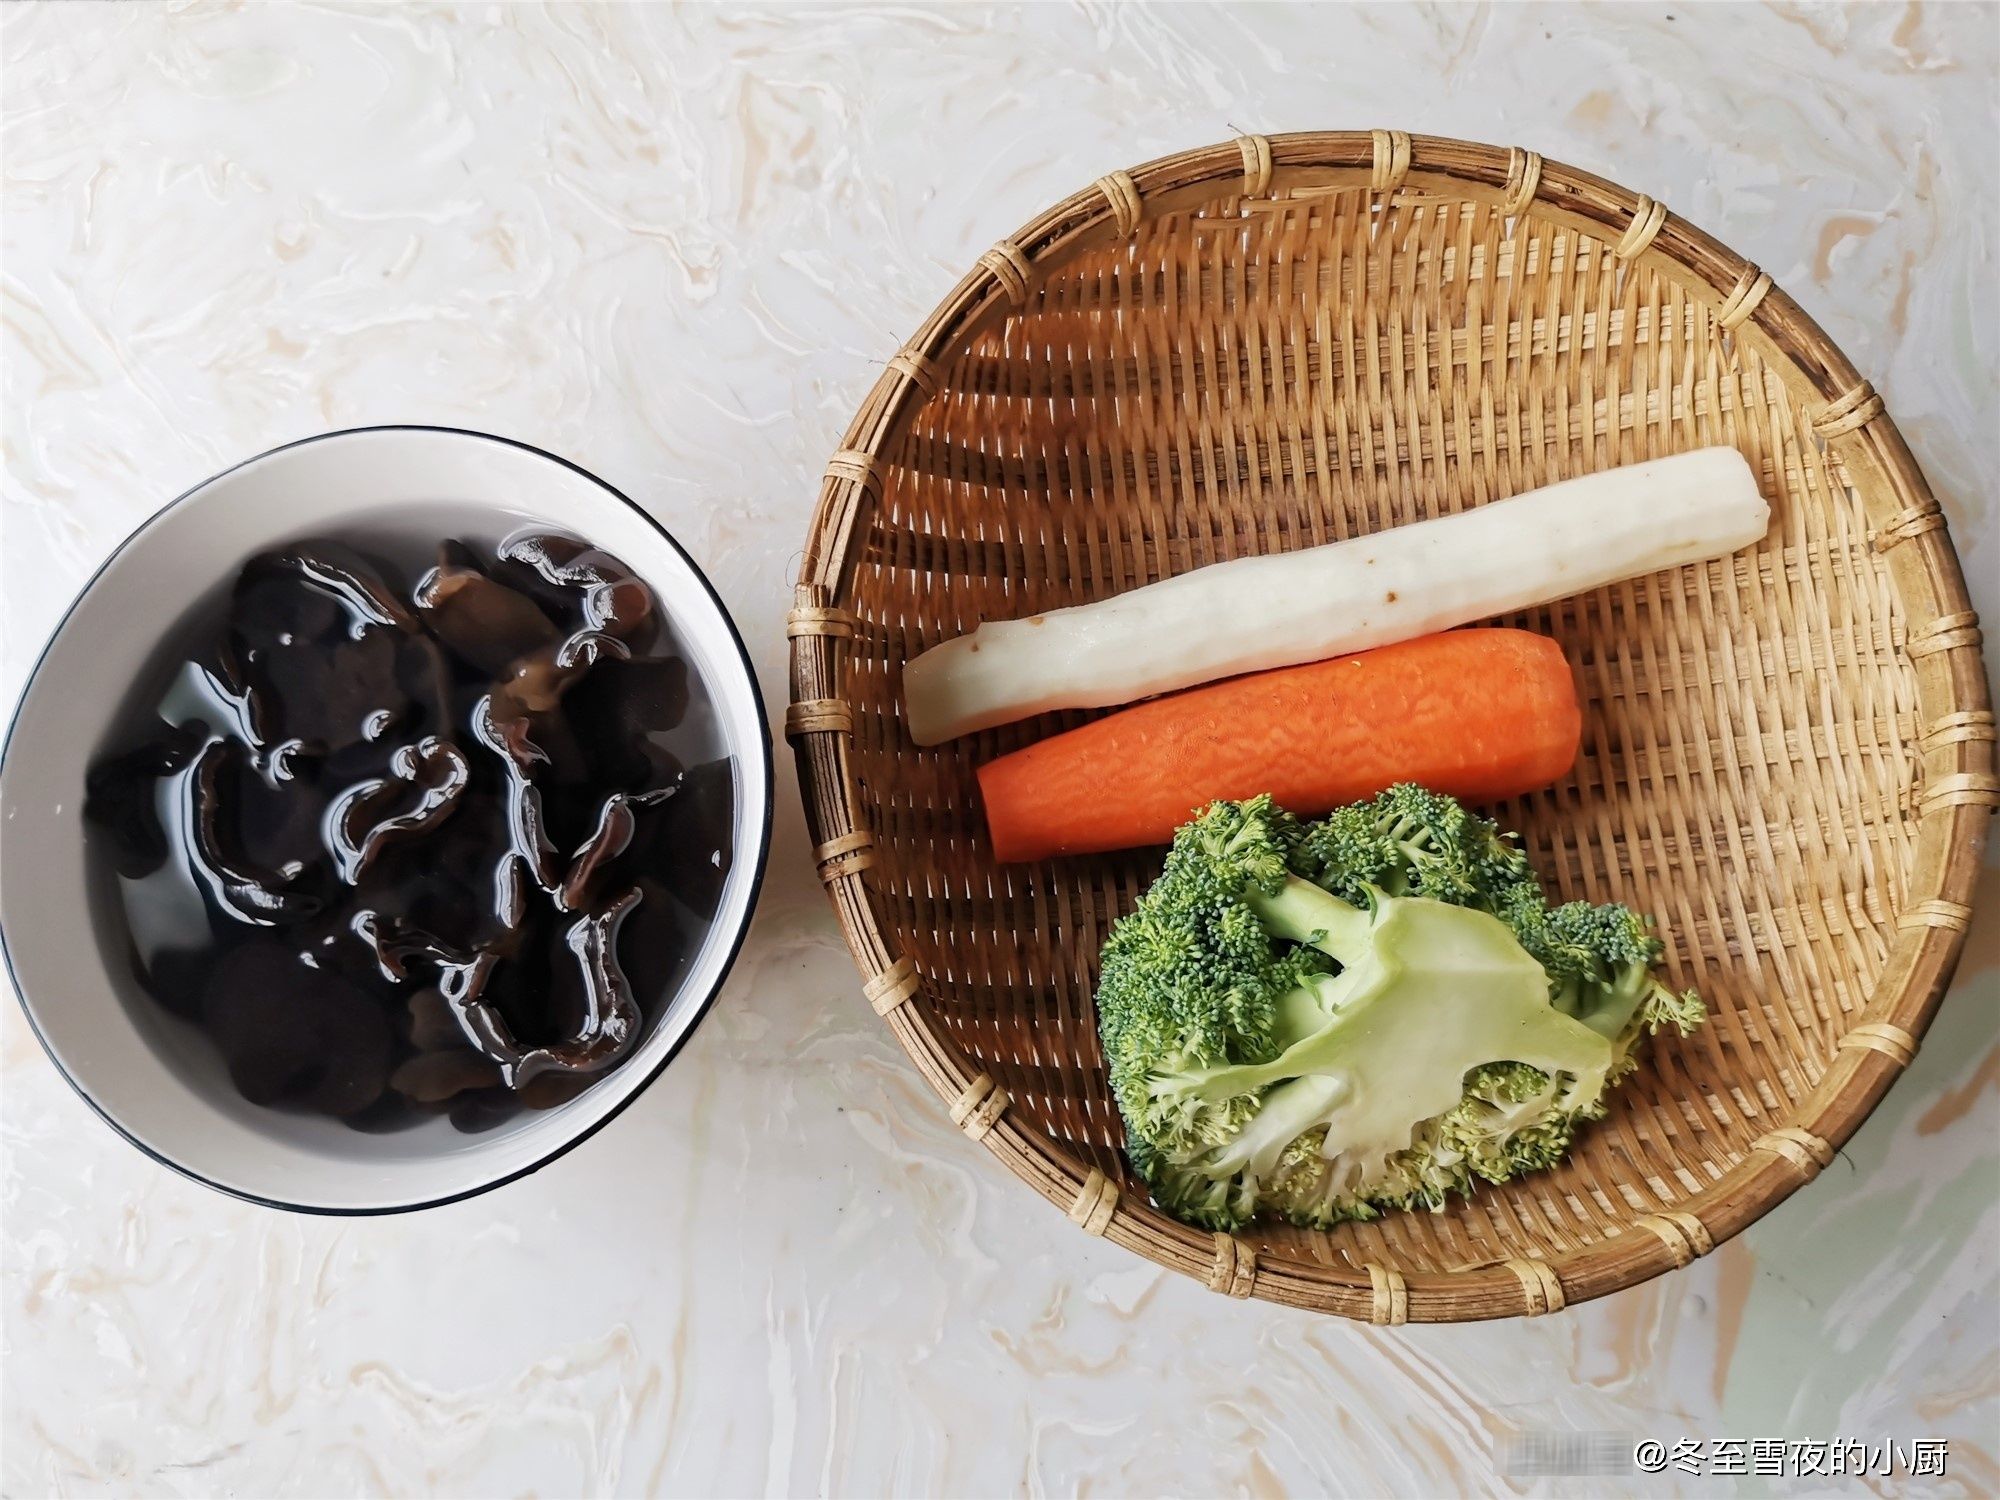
(1193, 979)
(1412, 842)
(1374, 1011)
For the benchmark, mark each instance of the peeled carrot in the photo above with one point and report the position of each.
(1479, 714)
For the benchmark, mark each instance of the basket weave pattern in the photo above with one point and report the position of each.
(1788, 754)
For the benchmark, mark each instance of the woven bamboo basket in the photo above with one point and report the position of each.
(1278, 341)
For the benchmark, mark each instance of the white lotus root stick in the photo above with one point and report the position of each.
(1255, 613)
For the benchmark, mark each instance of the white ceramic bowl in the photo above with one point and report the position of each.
(173, 1100)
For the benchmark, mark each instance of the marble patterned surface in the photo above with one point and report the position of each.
(673, 244)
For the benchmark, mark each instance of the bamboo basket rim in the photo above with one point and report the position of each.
(1955, 738)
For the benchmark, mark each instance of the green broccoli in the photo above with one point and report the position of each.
(1373, 1011)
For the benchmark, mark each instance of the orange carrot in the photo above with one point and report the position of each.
(1479, 714)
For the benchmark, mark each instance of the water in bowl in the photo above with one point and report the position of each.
(397, 830)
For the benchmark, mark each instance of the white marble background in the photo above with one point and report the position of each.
(672, 244)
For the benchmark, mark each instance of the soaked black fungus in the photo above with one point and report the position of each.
(612, 600)
(483, 622)
(296, 1036)
(689, 844)
(121, 799)
(446, 855)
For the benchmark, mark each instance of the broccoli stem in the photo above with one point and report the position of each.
(1305, 913)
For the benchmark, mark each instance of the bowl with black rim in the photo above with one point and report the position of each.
(65, 950)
